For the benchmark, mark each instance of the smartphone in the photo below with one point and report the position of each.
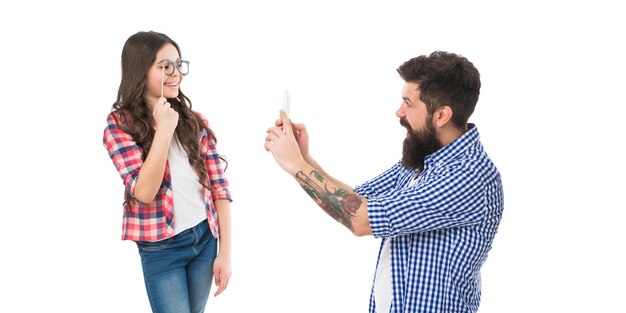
(286, 103)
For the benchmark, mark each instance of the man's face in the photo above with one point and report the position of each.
(421, 137)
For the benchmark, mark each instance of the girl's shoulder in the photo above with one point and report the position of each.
(206, 130)
(202, 117)
(119, 118)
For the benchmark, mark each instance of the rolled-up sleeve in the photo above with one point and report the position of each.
(451, 197)
(124, 152)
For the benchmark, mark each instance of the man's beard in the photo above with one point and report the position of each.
(419, 144)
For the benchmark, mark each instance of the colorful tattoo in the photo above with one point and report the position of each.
(340, 204)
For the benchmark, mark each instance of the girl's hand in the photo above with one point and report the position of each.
(221, 272)
(165, 117)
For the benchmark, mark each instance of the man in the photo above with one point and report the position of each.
(437, 210)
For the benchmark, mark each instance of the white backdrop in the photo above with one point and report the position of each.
(550, 116)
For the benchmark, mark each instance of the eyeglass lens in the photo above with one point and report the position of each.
(182, 66)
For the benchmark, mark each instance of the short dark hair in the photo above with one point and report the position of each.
(444, 79)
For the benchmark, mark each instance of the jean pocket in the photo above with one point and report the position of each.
(154, 246)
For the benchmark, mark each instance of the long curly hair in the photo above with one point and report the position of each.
(133, 113)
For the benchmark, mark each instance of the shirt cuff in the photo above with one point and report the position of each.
(131, 182)
(221, 194)
(379, 221)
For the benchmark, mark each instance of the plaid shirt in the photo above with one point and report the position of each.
(154, 221)
(440, 229)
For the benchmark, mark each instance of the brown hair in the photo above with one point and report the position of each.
(134, 115)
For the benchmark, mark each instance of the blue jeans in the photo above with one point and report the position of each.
(178, 271)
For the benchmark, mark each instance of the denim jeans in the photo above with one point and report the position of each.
(178, 271)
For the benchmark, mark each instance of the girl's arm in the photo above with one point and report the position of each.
(221, 266)
(153, 168)
(152, 171)
(221, 199)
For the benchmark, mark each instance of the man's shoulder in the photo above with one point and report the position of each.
(474, 160)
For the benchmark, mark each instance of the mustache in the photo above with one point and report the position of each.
(404, 123)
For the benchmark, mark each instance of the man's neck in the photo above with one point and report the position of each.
(449, 133)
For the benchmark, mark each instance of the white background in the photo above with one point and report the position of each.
(550, 116)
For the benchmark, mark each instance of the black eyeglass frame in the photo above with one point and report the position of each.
(176, 66)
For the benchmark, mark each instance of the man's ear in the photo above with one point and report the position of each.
(443, 115)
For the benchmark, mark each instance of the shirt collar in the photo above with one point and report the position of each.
(470, 138)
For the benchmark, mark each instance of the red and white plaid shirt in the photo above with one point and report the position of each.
(154, 221)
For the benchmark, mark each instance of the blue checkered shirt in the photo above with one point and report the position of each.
(441, 228)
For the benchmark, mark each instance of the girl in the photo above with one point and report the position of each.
(177, 201)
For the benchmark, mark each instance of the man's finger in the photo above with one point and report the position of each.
(277, 131)
(286, 123)
(271, 137)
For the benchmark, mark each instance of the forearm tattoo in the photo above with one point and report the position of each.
(339, 204)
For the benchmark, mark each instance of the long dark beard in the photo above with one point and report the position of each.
(418, 145)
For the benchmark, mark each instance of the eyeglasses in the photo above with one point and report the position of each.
(169, 67)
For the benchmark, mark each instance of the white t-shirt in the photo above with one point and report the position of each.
(189, 207)
(382, 285)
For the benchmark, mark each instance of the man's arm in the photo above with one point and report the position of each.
(333, 196)
(308, 159)
(345, 206)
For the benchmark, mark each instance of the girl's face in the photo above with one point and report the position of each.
(158, 81)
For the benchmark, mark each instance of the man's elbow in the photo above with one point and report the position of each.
(361, 230)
